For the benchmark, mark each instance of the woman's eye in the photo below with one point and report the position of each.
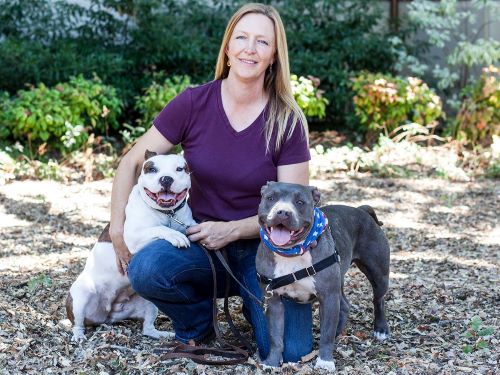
(264, 42)
(179, 169)
(240, 37)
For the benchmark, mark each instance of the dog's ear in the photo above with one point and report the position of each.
(316, 195)
(264, 187)
(149, 154)
(187, 169)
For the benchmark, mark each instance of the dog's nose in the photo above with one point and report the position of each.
(283, 214)
(166, 182)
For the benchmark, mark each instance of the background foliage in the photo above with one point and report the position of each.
(126, 42)
(138, 47)
(60, 118)
(384, 102)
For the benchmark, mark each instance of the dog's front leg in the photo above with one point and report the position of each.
(276, 326)
(329, 309)
(176, 238)
(79, 301)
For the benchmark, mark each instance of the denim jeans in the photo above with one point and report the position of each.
(179, 282)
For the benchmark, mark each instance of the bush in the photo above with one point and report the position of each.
(332, 40)
(49, 41)
(307, 95)
(440, 25)
(149, 105)
(479, 117)
(61, 118)
(384, 102)
(157, 95)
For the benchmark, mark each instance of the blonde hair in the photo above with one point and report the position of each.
(282, 105)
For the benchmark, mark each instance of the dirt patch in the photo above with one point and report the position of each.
(444, 238)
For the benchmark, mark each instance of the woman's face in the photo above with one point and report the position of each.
(252, 46)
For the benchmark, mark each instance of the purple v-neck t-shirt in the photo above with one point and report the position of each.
(228, 167)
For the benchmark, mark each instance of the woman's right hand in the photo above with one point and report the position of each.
(122, 254)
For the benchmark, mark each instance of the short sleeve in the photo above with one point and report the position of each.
(173, 120)
(294, 149)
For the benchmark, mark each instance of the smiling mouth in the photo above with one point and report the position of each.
(248, 62)
(166, 198)
(281, 236)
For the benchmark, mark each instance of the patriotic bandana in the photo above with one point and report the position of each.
(319, 226)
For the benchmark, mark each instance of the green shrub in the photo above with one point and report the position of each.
(439, 25)
(61, 118)
(307, 95)
(49, 41)
(384, 102)
(479, 116)
(4, 100)
(333, 39)
(157, 96)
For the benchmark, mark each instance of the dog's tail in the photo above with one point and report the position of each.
(371, 212)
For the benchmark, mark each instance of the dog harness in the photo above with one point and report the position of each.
(281, 281)
(319, 226)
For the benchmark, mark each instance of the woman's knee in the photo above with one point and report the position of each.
(151, 266)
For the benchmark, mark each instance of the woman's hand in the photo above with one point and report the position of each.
(122, 254)
(213, 234)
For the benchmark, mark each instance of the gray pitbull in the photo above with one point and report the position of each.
(296, 263)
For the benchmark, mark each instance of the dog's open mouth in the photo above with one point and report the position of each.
(166, 198)
(281, 236)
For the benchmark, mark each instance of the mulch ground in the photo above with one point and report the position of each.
(444, 238)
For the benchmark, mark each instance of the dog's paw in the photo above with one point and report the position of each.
(381, 336)
(78, 335)
(178, 239)
(156, 334)
(325, 365)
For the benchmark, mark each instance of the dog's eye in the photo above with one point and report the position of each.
(152, 170)
(179, 169)
(300, 202)
(270, 198)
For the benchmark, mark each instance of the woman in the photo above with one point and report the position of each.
(237, 132)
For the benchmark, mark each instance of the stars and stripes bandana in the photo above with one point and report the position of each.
(319, 226)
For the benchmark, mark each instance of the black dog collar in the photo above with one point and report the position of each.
(281, 281)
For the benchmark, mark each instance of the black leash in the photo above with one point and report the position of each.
(228, 354)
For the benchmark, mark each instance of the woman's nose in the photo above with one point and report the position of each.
(250, 47)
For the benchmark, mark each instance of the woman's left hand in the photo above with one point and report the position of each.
(212, 234)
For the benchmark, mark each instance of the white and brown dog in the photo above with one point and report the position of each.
(156, 209)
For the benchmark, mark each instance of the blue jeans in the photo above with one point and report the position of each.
(179, 283)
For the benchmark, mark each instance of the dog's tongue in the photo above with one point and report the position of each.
(164, 197)
(280, 235)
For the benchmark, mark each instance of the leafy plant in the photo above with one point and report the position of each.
(384, 103)
(479, 117)
(307, 95)
(477, 335)
(441, 25)
(332, 40)
(61, 118)
(157, 96)
(39, 281)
